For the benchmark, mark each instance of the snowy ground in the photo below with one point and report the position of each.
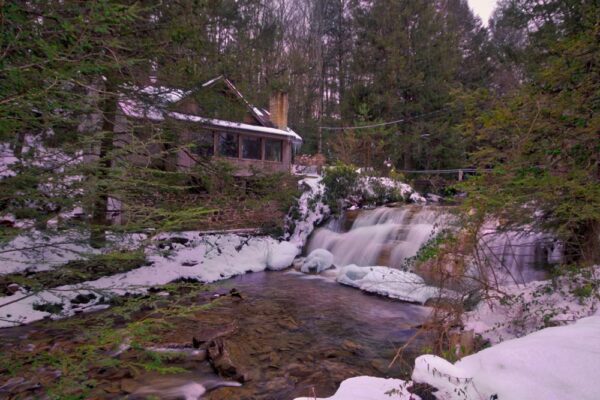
(516, 310)
(35, 250)
(370, 388)
(193, 255)
(206, 258)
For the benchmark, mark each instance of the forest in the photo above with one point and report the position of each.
(405, 148)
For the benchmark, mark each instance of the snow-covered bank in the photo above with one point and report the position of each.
(554, 363)
(369, 388)
(191, 255)
(516, 310)
(35, 250)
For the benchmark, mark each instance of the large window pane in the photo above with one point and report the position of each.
(228, 144)
(251, 147)
(273, 149)
(204, 144)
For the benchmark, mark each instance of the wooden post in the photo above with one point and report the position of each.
(460, 175)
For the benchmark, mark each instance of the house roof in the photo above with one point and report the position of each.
(234, 125)
(151, 102)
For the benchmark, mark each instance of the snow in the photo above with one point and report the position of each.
(191, 255)
(156, 110)
(369, 183)
(7, 158)
(554, 363)
(516, 310)
(281, 256)
(312, 211)
(35, 250)
(388, 282)
(317, 261)
(369, 388)
(210, 82)
(235, 125)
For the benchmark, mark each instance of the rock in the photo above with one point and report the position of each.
(288, 324)
(129, 385)
(13, 288)
(219, 357)
(83, 298)
(317, 261)
(352, 347)
(423, 390)
(380, 365)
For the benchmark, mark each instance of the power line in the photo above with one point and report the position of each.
(341, 128)
(443, 171)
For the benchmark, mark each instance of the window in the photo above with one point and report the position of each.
(228, 144)
(273, 149)
(251, 148)
(204, 144)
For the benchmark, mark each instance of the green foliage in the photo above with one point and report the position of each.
(340, 182)
(432, 248)
(542, 140)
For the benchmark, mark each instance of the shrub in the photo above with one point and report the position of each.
(340, 182)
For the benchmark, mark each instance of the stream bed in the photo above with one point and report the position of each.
(280, 334)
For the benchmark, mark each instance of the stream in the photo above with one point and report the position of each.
(285, 334)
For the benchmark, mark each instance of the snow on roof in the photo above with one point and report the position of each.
(235, 125)
(162, 96)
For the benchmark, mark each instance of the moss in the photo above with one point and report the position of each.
(80, 349)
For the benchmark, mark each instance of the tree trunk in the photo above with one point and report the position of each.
(99, 213)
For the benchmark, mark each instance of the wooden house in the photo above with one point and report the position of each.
(212, 121)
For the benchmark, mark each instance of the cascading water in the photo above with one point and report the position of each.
(388, 236)
(383, 236)
(517, 256)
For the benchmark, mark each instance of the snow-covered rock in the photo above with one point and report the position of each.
(311, 209)
(387, 282)
(554, 363)
(387, 188)
(369, 388)
(317, 261)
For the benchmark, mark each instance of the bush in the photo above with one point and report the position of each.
(340, 182)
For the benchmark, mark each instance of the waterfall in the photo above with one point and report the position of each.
(383, 236)
(518, 256)
(387, 236)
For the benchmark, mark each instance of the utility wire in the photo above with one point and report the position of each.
(443, 171)
(341, 128)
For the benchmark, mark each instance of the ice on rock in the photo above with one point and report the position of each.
(281, 256)
(387, 282)
(317, 261)
(554, 363)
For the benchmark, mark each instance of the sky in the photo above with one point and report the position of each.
(483, 8)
